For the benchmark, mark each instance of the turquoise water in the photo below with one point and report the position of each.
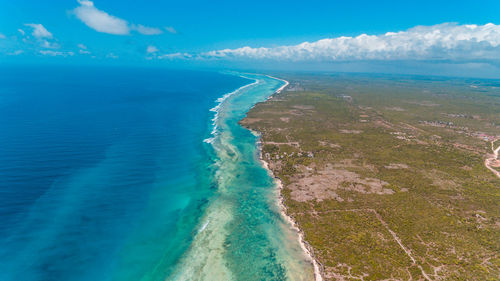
(121, 174)
(242, 235)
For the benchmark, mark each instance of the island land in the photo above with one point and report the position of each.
(388, 178)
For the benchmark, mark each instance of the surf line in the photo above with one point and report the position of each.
(279, 185)
(220, 101)
(282, 87)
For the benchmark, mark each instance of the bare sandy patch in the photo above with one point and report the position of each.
(329, 144)
(351, 131)
(295, 112)
(383, 123)
(249, 120)
(290, 143)
(441, 180)
(324, 184)
(304, 107)
(394, 166)
(350, 163)
(395, 108)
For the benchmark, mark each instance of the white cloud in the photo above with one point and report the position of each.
(111, 56)
(39, 31)
(16, 53)
(100, 20)
(42, 36)
(171, 29)
(106, 23)
(152, 49)
(55, 53)
(446, 41)
(49, 45)
(146, 30)
(2, 36)
(83, 49)
(85, 3)
(176, 56)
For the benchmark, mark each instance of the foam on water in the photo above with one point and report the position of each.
(103, 172)
(104, 176)
(220, 101)
(243, 235)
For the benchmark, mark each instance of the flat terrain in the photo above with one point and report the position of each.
(389, 177)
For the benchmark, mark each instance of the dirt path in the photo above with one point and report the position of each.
(490, 161)
(393, 234)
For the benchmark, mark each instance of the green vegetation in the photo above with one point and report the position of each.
(361, 156)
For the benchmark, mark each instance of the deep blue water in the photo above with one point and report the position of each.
(103, 172)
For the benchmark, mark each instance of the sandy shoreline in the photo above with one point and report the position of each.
(303, 244)
(283, 210)
(281, 88)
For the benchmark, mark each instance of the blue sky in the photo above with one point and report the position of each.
(190, 28)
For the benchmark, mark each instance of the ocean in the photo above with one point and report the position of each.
(115, 173)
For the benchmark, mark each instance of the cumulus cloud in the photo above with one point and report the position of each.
(176, 56)
(100, 20)
(171, 29)
(83, 49)
(446, 41)
(42, 36)
(152, 49)
(103, 22)
(111, 56)
(144, 30)
(55, 53)
(49, 45)
(16, 53)
(39, 31)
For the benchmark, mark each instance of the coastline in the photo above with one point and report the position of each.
(294, 122)
(222, 232)
(220, 101)
(308, 250)
(281, 88)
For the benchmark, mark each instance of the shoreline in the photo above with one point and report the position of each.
(308, 250)
(205, 257)
(281, 88)
(220, 101)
